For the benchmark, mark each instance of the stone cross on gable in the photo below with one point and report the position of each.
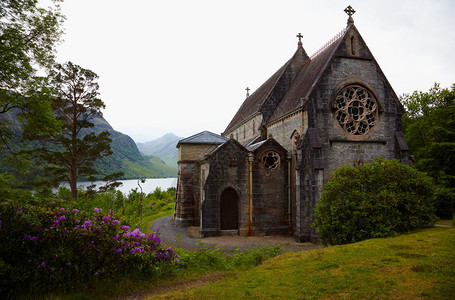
(350, 11)
(247, 92)
(300, 36)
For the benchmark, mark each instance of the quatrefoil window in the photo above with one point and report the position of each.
(271, 160)
(356, 110)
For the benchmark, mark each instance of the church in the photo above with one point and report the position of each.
(264, 174)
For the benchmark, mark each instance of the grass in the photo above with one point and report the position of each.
(417, 265)
(445, 222)
(196, 268)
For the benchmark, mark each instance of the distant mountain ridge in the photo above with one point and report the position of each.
(163, 147)
(127, 158)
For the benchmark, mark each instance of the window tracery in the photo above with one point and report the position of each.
(271, 160)
(356, 110)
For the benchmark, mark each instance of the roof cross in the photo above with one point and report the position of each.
(300, 36)
(247, 92)
(350, 11)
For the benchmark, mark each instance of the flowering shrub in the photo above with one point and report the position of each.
(379, 199)
(43, 248)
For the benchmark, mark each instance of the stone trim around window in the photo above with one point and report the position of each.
(271, 160)
(356, 109)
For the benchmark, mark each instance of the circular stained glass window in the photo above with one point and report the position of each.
(356, 110)
(271, 160)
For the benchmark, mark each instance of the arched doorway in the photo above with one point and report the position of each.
(229, 209)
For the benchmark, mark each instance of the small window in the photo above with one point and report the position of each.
(271, 160)
(352, 45)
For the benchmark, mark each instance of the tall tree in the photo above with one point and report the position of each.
(72, 151)
(429, 128)
(28, 36)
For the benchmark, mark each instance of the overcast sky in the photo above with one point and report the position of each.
(182, 66)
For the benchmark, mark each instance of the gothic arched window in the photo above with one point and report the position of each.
(295, 138)
(356, 109)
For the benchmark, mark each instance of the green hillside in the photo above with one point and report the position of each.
(126, 157)
(419, 265)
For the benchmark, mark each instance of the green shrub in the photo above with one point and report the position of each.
(380, 199)
(445, 202)
(54, 246)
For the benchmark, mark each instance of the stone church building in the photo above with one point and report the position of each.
(264, 174)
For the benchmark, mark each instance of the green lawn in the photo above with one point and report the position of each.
(417, 265)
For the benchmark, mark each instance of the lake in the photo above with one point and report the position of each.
(147, 187)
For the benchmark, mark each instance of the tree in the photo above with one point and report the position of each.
(72, 151)
(28, 35)
(429, 128)
(380, 199)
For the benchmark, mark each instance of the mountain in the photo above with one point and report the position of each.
(163, 147)
(126, 157)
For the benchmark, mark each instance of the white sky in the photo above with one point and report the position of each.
(182, 66)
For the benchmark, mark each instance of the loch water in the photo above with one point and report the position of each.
(130, 184)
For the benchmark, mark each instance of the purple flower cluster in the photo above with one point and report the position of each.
(66, 244)
(31, 238)
(167, 253)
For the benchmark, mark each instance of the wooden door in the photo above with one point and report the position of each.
(229, 209)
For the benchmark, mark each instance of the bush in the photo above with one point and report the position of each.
(445, 202)
(53, 246)
(380, 199)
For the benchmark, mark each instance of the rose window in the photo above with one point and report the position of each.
(271, 160)
(356, 110)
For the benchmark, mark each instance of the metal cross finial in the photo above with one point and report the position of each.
(350, 11)
(300, 36)
(247, 92)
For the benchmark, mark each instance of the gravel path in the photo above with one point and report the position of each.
(187, 238)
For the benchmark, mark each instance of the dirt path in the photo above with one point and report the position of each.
(187, 238)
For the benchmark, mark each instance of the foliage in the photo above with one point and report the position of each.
(28, 35)
(152, 204)
(155, 204)
(52, 246)
(79, 245)
(413, 266)
(71, 152)
(429, 128)
(216, 259)
(379, 199)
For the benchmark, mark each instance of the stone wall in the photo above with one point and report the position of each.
(339, 147)
(327, 146)
(282, 130)
(310, 171)
(228, 168)
(188, 194)
(194, 151)
(270, 192)
(246, 131)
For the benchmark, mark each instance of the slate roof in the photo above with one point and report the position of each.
(253, 103)
(306, 80)
(302, 85)
(204, 137)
